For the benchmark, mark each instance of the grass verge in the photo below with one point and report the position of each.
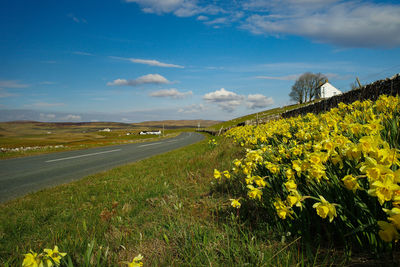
(161, 207)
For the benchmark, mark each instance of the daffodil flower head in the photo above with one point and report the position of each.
(282, 210)
(387, 231)
(235, 203)
(254, 192)
(384, 190)
(54, 255)
(226, 174)
(136, 262)
(351, 183)
(294, 199)
(32, 259)
(217, 174)
(290, 185)
(325, 209)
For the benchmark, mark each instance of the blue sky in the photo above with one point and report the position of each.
(138, 60)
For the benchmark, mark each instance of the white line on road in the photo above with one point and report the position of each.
(85, 155)
(151, 144)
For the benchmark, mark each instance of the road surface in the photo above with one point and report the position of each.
(29, 174)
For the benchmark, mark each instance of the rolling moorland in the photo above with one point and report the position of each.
(205, 209)
(23, 138)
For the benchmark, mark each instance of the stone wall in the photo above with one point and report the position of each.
(389, 86)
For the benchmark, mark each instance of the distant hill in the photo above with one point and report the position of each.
(173, 124)
(93, 126)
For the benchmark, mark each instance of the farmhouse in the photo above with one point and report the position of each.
(327, 90)
(150, 132)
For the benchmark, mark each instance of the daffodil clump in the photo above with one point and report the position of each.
(336, 174)
(136, 262)
(49, 258)
(212, 143)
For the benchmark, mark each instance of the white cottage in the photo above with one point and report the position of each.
(328, 90)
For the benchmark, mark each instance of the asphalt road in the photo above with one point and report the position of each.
(29, 174)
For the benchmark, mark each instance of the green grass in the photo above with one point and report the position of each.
(162, 207)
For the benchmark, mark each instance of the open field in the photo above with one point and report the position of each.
(25, 138)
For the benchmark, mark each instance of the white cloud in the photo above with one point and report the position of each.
(146, 79)
(292, 77)
(344, 23)
(353, 23)
(156, 63)
(217, 21)
(44, 116)
(76, 19)
(229, 106)
(221, 95)
(12, 84)
(201, 18)
(46, 105)
(82, 53)
(173, 93)
(195, 108)
(47, 83)
(150, 62)
(225, 99)
(72, 117)
(4, 94)
(258, 101)
(180, 8)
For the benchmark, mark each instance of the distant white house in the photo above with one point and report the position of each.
(150, 132)
(105, 130)
(328, 90)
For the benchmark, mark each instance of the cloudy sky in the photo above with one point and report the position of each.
(138, 60)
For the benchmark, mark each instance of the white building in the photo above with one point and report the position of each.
(149, 132)
(328, 90)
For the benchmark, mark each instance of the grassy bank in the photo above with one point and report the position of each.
(162, 208)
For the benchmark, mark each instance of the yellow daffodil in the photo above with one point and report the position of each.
(325, 209)
(259, 181)
(384, 190)
(136, 262)
(282, 210)
(32, 260)
(388, 232)
(226, 174)
(254, 192)
(217, 174)
(235, 203)
(290, 185)
(54, 254)
(289, 174)
(351, 183)
(294, 199)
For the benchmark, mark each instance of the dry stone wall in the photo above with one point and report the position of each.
(389, 86)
